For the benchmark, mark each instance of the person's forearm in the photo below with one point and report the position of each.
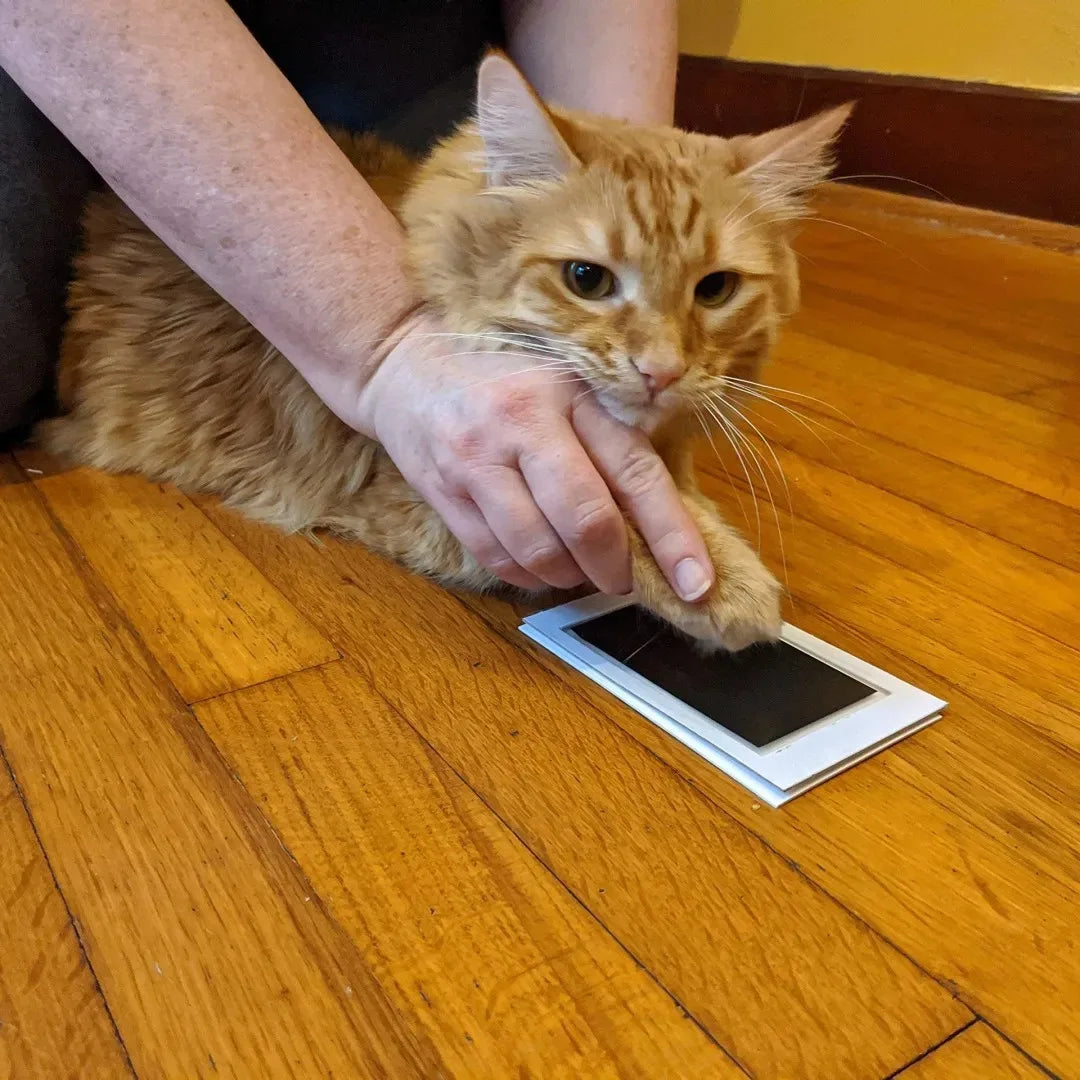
(188, 120)
(616, 57)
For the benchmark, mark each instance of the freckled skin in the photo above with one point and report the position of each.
(161, 377)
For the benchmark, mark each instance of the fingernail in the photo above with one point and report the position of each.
(691, 580)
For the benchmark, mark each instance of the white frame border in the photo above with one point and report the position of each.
(784, 768)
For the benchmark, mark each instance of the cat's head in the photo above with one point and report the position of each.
(657, 260)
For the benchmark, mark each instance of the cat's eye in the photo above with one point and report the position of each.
(716, 289)
(588, 280)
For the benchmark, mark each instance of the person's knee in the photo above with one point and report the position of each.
(43, 181)
(27, 354)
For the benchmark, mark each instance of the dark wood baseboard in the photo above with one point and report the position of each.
(992, 147)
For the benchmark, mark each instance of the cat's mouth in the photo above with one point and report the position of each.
(640, 409)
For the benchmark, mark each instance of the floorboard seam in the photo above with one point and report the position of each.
(932, 1050)
(1020, 1050)
(72, 921)
(356, 669)
(266, 682)
(737, 487)
(947, 984)
(521, 647)
(982, 477)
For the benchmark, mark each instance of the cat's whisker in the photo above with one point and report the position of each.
(805, 419)
(726, 427)
(870, 236)
(723, 464)
(557, 368)
(780, 472)
(589, 389)
(524, 342)
(767, 389)
(891, 176)
(546, 366)
(760, 464)
(765, 418)
(644, 645)
(810, 423)
(731, 213)
(759, 208)
(728, 403)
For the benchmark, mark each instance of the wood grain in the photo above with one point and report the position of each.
(911, 213)
(1017, 454)
(589, 873)
(473, 940)
(961, 288)
(963, 641)
(53, 1021)
(901, 382)
(978, 1053)
(211, 621)
(212, 956)
(956, 557)
(951, 492)
(840, 319)
(1058, 397)
(961, 844)
(777, 973)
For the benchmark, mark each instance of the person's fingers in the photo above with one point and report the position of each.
(580, 507)
(512, 515)
(465, 520)
(642, 484)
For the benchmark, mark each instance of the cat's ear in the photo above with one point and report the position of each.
(521, 143)
(786, 163)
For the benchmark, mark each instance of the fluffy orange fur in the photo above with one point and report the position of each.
(160, 376)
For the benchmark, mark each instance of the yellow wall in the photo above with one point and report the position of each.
(1034, 43)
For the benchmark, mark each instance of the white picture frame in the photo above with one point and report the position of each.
(781, 770)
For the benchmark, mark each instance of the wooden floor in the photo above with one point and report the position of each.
(271, 809)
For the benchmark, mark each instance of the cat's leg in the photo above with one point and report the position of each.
(743, 606)
(388, 517)
(391, 519)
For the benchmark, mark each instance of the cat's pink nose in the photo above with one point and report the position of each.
(660, 376)
(660, 366)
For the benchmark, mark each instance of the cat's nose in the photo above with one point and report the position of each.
(659, 374)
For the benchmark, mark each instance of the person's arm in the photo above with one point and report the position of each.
(193, 126)
(616, 57)
(188, 120)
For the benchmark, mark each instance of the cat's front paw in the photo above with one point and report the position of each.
(742, 609)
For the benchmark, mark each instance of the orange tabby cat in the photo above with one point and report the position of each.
(603, 239)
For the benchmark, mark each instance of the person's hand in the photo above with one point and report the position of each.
(524, 466)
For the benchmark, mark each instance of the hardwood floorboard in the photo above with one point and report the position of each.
(10, 473)
(874, 399)
(774, 970)
(956, 557)
(211, 621)
(962, 641)
(473, 941)
(53, 1020)
(395, 838)
(978, 1053)
(1059, 397)
(961, 845)
(200, 929)
(952, 492)
(840, 320)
